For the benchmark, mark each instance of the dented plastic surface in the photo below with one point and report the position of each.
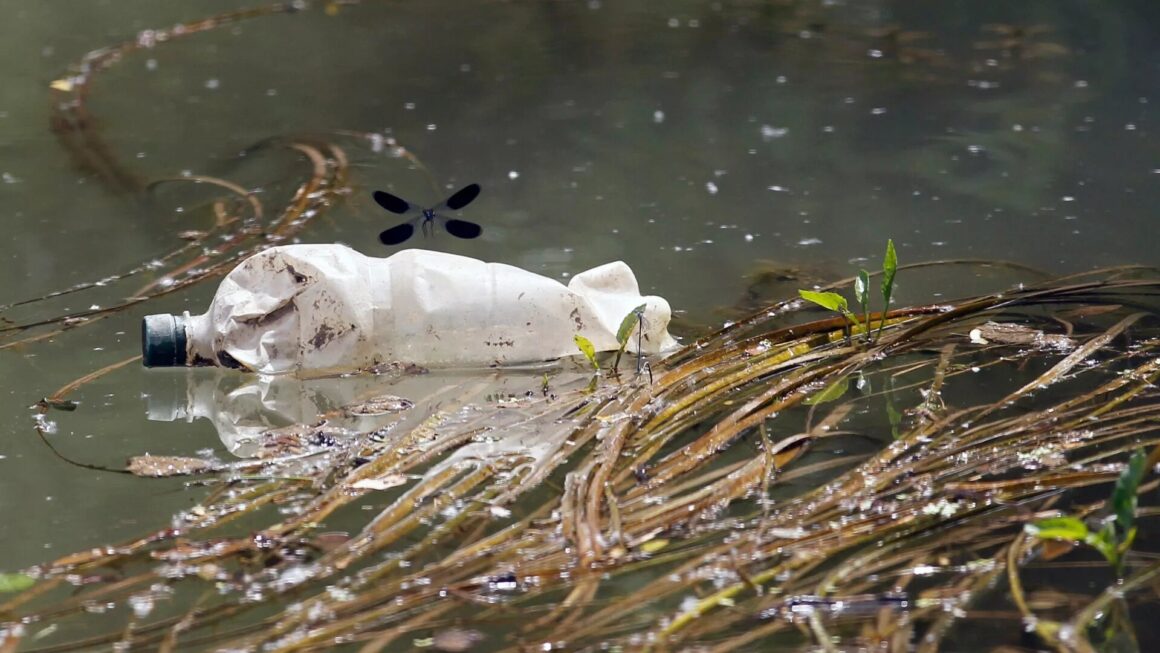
(328, 307)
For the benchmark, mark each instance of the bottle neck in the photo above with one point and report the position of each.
(199, 350)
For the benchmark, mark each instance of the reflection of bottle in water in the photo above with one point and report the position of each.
(248, 411)
(255, 416)
(315, 307)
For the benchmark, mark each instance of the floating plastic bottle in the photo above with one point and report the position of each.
(328, 307)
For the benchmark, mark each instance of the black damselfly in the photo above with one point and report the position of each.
(428, 217)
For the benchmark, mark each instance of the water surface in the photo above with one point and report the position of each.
(693, 140)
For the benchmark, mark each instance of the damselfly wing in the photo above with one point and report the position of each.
(427, 218)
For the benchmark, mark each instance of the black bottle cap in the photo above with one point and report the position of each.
(163, 340)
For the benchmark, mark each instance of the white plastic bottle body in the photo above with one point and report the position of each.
(322, 307)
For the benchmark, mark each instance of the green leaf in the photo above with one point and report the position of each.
(625, 332)
(1104, 541)
(1124, 495)
(15, 582)
(830, 393)
(628, 324)
(862, 294)
(862, 288)
(828, 300)
(1069, 529)
(889, 268)
(586, 348)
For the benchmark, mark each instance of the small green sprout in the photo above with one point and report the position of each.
(889, 269)
(862, 294)
(837, 303)
(1115, 538)
(627, 325)
(586, 348)
(831, 301)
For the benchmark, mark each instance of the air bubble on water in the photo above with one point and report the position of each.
(150, 64)
(674, 23)
(431, 127)
(874, 54)
(513, 174)
(807, 242)
(877, 111)
(409, 106)
(212, 83)
(711, 187)
(658, 116)
(749, 238)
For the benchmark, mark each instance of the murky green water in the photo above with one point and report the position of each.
(690, 139)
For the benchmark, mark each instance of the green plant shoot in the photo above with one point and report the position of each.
(831, 301)
(586, 348)
(1116, 536)
(862, 294)
(1124, 497)
(624, 332)
(15, 582)
(889, 268)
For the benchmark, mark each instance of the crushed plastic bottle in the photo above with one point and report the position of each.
(328, 307)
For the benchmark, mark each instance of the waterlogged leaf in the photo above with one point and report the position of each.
(893, 414)
(828, 300)
(380, 405)
(628, 324)
(586, 348)
(862, 288)
(1070, 529)
(162, 466)
(15, 583)
(1124, 495)
(382, 483)
(652, 546)
(830, 393)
